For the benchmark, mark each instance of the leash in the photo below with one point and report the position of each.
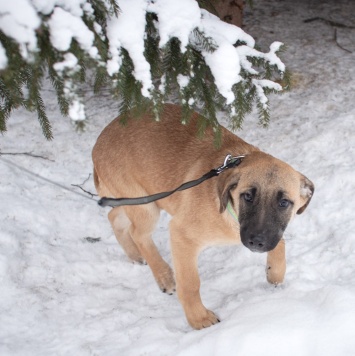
(46, 180)
(229, 162)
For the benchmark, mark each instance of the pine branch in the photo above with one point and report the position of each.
(101, 79)
(201, 42)
(152, 52)
(181, 75)
(264, 114)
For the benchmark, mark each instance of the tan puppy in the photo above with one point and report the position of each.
(147, 157)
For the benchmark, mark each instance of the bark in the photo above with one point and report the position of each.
(230, 11)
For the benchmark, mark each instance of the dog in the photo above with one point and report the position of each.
(251, 203)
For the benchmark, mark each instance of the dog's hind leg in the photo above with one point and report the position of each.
(120, 225)
(119, 222)
(143, 220)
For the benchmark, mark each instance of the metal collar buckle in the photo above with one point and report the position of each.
(229, 162)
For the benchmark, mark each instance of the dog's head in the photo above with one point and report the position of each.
(265, 194)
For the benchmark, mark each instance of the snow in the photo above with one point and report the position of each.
(264, 83)
(225, 67)
(123, 32)
(183, 81)
(77, 111)
(176, 19)
(75, 7)
(61, 294)
(3, 58)
(69, 62)
(222, 31)
(64, 27)
(19, 21)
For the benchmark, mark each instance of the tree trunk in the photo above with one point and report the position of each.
(230, 11)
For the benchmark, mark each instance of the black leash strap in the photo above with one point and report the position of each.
(229, 162)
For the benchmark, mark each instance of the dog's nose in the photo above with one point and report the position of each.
(257, 243)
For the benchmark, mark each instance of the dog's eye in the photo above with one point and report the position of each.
(284, 203)
(248, 197)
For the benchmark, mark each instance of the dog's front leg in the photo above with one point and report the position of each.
(276, 264)
(185, 255)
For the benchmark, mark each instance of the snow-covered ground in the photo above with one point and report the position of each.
(61, 294)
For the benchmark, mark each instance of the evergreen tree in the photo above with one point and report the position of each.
(177, 71)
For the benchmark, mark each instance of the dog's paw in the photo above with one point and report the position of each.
(203, 320)
(166, 281)
(274, 276)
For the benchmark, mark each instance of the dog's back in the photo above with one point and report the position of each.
(143, 156)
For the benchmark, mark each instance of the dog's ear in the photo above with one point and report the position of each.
(307, 190)
(227, 181)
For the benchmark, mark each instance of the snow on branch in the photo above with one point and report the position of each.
(145, 49)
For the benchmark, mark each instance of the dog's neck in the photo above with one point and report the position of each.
(231, 211)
